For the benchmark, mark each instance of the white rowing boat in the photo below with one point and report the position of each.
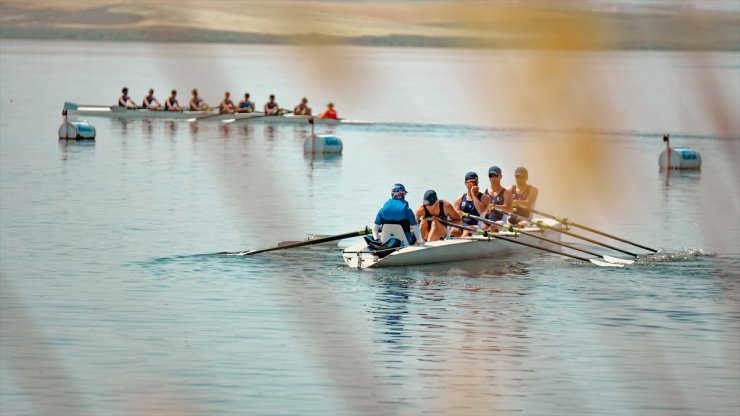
(78, 110)
(212, 114)
(361, 256)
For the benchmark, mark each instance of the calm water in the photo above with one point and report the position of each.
(114, 303)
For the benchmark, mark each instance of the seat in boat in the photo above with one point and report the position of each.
(393, 230)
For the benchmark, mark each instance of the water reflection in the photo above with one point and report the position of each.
(170, 127)
(147, 129)
(122, 125)
(194, 128)
(270, 132)
(72, 147)
(224, 130)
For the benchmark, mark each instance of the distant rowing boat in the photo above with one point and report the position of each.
(213, 114)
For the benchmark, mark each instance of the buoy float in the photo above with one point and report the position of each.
(327, 145)
(75, 130)
(678, 157)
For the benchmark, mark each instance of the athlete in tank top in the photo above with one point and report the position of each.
(497, 199)
(468, 206)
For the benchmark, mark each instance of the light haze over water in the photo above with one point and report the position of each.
(113, 301)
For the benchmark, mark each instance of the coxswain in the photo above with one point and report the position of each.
(471, 202)
(330, 112)
(396, 211)
(430, 212)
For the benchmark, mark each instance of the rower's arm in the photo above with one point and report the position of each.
(452, 213)
(481, 205)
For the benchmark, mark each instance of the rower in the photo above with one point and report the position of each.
(523, 197)
(227, 105)
(245, 105)
(197, 103)
(430, 212)
(124, 99)
(149, 102)
(302, 109)
(329, 113)
(396, 211)
(500, 196)
(171, 104)
(472, 202)
(271, 108)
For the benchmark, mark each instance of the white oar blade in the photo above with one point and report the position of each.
(617, 260)
(604, 264)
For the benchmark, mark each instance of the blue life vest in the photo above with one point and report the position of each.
(397, 211)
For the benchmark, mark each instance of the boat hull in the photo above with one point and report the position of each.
(359, 256)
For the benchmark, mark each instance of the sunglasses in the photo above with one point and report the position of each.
(493, 175)
(472, 181)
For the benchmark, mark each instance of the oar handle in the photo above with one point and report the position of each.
(365, 231)
(569, 222)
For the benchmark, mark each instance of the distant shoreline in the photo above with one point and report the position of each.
(178, 35)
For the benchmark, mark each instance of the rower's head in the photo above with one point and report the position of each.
(195, 92)
(521, 173)
(494, 172)
(227, 94)
(330, 105)
(398, 191)
(124, 90)
(471, 177)
(304, 100)
(151, 91)
(430, 197)
(246, 95)
(174, 93)
(272, 97)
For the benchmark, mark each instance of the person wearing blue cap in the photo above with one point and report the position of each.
(430, 212)
(472, 202)
(500, 196)
(523, 197)
(396, 211)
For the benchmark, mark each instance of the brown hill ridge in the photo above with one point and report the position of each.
(399, 23)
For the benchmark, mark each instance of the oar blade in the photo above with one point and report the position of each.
(617, 260)
(604, 264)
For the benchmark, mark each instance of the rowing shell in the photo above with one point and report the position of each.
(76, 110)
(212, 114)
(360, 256)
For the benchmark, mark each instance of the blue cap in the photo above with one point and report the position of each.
(398, 191)
(494, 170)
(471, 175)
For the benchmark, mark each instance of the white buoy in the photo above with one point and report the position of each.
(326, 145)
(323, 145)
(678, 157)
(75, 130)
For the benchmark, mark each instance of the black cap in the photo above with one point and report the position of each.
(471, 175)
(430, 197)
(495, 170)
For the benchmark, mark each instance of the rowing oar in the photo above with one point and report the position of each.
(513, 229)
(566, 221)
(513, 240)
(543, 225)
(359, 233)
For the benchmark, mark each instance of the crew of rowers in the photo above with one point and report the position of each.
(505, 206)
(227, 105)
